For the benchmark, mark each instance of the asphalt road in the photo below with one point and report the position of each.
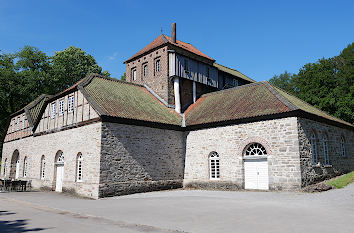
(180, 211)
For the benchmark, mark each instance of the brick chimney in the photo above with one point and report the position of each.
(173, 32)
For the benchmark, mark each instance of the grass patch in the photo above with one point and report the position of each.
(342, 181)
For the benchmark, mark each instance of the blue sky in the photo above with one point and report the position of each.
(259, 38)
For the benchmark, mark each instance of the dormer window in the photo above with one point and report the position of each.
(53, 110)
(145, 70)
(134, 73)
(158, 65)
(61, 107)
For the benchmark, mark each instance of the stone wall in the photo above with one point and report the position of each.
(338, 165)
(279, 137)
(140, 159)
(85, 139)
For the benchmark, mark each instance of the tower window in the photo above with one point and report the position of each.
(186, 66)
(145, 70)
(134, 74)
(158, 65)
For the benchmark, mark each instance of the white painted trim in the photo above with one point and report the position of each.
(194, 92)
(177, 95)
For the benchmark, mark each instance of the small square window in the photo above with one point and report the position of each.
(53, 110)
(61, 107)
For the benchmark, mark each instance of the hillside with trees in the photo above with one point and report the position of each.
(26, 74)
(327, 84)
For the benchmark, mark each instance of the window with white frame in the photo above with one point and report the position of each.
(79, 168)
(13, 125)
(25, 167)
(342, 147)
(214, 166)
(313, 141)
(134, 74)
(53, 110)
(43, 167)
(145, 70)
(325, 149)
(158, 65)
(23, 121)
(18, 123)
(71, 103)
(61, 107)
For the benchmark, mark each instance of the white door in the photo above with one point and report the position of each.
(17, 174)
(256, 174)
(59, 180)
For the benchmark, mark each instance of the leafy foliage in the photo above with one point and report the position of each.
(30, 72)
(326, 84)
(123, 77)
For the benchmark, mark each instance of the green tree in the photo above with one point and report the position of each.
(283, 81)
(123, 77)
(29, 73)
(326, 84)
(71, 65)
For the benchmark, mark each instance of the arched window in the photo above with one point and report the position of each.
(214, 166)
(342, 147)
(79, 167)
(325, 149)
(313, 141)
(60, 157)
(255, 149)
(5, 168)
(43, 167)
(25, 167)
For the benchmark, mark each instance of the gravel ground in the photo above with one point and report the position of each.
(182, 211)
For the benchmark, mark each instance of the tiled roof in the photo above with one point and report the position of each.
(129, 101)
(233, 72)
(34, 109)
(163, 39)
(246, 101)
(249, 101)
(188, 47)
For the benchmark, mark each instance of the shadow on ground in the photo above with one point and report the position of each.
(14, 225)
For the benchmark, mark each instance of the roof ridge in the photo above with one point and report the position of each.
(90, 76)
(279, 96)
(235, 70)
(231, 89)
(275, 87)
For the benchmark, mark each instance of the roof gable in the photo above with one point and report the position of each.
(164, 40)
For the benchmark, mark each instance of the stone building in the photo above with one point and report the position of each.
(180, 120)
